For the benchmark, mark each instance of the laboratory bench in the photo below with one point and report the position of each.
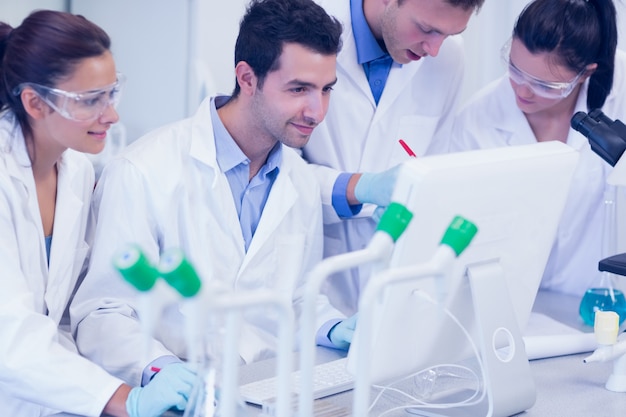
(565, 385)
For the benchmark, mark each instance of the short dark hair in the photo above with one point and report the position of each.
(466, 4)
(463, 4)
(579, 32)
(269, 24)
(46, 47)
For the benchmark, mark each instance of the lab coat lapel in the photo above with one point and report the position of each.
(65, 259)
(350, 71)
(20, 170)
(280, 201)
(399, 77)
(516, 129)
(507, 118)
(219, 199)
(348, 68)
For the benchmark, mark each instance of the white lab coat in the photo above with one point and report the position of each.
(417, 105)
(40, 369)
(491, 119)
(167, 190)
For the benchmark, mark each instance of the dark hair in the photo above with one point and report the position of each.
(463, 4)
(44, 49)
(269, 24)
(579, 32)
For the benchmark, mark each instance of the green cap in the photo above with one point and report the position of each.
(179, 273)
(135, 268)
(459, 234)
(395, 220)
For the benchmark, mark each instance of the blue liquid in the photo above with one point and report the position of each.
(600, 299)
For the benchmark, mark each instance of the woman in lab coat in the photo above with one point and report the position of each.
(561, 59)
(45, 189)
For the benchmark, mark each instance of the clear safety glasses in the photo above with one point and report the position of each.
(546, 89)
(78, 106)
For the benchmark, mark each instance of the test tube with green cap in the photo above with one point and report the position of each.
(456, 238)
(179, 273)
(135, 268)
(394, 220)
(459, 234)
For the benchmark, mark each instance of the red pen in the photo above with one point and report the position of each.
(407, 149)
(155, 369)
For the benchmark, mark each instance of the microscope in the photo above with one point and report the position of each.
(607, 138)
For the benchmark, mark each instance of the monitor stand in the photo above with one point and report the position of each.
(509, 385)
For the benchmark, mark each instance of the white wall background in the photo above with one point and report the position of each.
(14, 11)
(175, 52)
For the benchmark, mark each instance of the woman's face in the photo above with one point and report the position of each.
(90, 75)
(531, 75)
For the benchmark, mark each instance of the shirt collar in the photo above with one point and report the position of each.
(273, 160)
(367, 47)
(228, 153)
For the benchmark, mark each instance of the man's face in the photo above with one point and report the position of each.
(417, 28)
(295, 97)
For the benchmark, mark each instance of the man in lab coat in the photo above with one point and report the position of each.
(225, 187)
(397, 79)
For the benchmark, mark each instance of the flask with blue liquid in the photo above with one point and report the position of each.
(604, 296)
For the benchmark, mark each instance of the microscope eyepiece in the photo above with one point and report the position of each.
(606, 137)
(579, 121)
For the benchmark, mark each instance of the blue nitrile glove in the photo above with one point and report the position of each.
(342, 332)
(376, 188)
(170, 387)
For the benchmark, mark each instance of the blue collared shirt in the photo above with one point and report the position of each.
(375, 60)
(249, 195)
(48, 246)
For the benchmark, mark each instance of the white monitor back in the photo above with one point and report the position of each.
(515, 196)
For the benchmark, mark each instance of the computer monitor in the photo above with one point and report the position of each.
(515, 196)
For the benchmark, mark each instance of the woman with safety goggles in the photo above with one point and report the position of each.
(58, 91)
(560, 60)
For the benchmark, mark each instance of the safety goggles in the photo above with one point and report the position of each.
(546, 89)
(78, 106)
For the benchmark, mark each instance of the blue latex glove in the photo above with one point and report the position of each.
(170, 387)
(341, 333)
(376, 188)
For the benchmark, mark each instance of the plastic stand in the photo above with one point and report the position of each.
(509, 383)
(617, 379)
(234, 304)
(379, 249)
(377, 253)
(507, 379)
(198, 301)
(611, 347)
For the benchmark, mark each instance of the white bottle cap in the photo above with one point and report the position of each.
(606, 327)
